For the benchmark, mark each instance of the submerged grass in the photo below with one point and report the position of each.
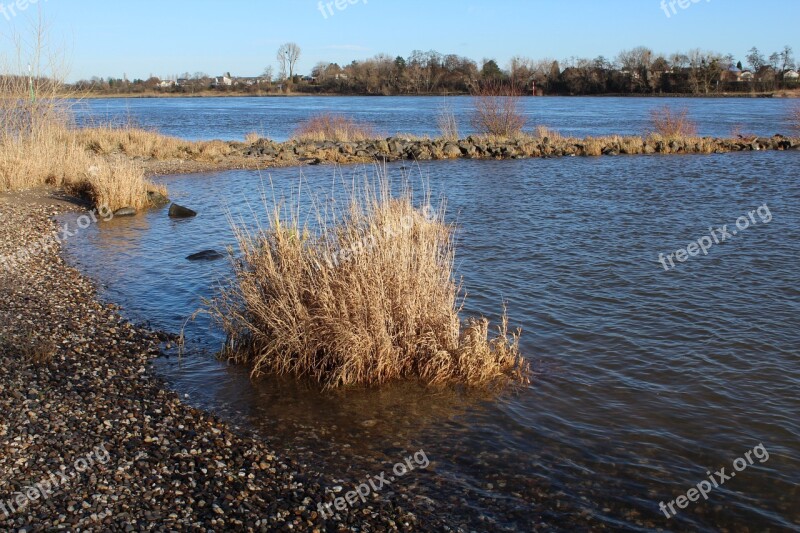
(366, 298)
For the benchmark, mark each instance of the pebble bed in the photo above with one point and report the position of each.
(75, 376)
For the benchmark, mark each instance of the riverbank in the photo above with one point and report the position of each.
(75, 376)
(265, 154)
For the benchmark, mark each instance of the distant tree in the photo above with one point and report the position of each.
(491, 70)
(787, 58)
(755, 59)
(268, 74)
(775, 60)
(288, 54)
(739, 65)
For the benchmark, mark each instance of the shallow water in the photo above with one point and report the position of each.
(646, 378)
(276, 117)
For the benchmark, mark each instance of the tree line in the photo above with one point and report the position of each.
(638, 71)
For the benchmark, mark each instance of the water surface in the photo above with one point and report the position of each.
(276, 117)
(646, 379)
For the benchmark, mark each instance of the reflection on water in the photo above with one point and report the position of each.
(645, 379)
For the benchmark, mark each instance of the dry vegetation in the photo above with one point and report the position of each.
(497, 111)
(795, 118)
(39, 146)
(136, 142)
(447, 122)
(333, 127)
(367, 298)
(671, 123)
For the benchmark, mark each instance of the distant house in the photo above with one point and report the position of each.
(747, 76)
(732, 74)
(166, 84)
(182, 82)
(249, 81)
(791, 75)
(223, 81)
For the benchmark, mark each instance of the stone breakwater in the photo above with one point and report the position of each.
(400, 148)
(74, 376)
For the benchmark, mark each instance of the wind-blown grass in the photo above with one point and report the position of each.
(367, 298)
(333, 127)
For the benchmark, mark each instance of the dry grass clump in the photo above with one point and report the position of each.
(497, 111)
(39, 146)
(136, 142)
(542, 132)
(447, 122)
(333, 127)
(795, 118)
(367, 298)
(30, 346)
(671, 123)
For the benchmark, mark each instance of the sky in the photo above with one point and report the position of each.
(169, 37)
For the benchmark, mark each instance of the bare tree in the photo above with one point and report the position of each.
(288, 54)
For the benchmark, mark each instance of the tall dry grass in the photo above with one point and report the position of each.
(333, 127)
(795, 118)
(367, 298)
(38, 143)
(671, 123)
(447, 122)
(497, 111)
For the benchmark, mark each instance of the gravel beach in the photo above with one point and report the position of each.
(91, 440)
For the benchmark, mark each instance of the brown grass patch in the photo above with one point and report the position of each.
(367, 298)
(333, 127)
(672, 123)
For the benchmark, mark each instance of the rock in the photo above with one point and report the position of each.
(157, 199)
(178, 211)
(206, 255)
(125, 212)
(452, 151)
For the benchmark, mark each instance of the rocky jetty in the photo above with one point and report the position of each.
(477, 147)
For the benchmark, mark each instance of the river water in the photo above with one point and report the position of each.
(276, 117)
(646, 378)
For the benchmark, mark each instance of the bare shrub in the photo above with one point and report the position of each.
(333, 127)
(367, 298)
(672, 123)
(497, 111)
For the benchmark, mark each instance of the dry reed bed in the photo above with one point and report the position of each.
(367, 298)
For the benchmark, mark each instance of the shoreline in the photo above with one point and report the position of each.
(77, 376)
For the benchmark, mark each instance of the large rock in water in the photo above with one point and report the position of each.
(178, 211)
(125, 212)
(206, 255)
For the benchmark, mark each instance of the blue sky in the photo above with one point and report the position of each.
(166, 38)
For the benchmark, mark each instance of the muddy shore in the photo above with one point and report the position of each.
(75, 378)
